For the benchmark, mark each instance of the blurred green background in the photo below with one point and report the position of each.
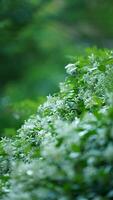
(37, 39)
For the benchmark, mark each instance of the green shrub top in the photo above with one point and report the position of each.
(65, 151)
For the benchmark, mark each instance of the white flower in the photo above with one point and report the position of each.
(29, 172)
(92, 58)
(70, 68)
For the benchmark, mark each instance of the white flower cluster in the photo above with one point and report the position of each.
(52, 105)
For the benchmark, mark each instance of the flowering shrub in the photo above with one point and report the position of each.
(65, 151)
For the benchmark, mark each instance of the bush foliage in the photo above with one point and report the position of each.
(36, 35)
(65, 150)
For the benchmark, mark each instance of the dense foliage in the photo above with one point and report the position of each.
(36, 37)
(65, 150)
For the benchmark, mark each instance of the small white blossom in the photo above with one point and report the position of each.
(70, 68)
(92, 58)
(29, 172)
